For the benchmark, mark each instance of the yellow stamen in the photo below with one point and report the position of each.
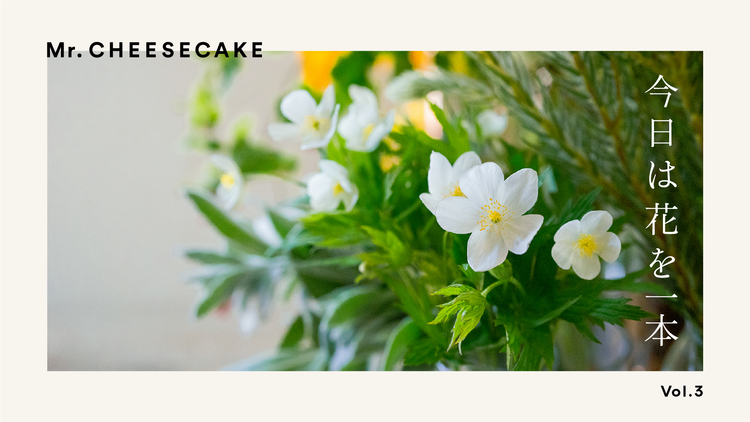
(586, 245)
(495, 216)
(337, 189)
(367, 131)
(227, 180)
(315, 124)
(457, 191)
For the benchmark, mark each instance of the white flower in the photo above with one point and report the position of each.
(230, 182)
(313, 124)
(442, 179)
(578, 243)
(331, 187)
(492, 211)
(492, 123)
(362, 126)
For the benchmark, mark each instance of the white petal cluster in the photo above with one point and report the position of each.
(331, 187)
(492, 211)
(442, 178)
(230, 183)
(312, 124)
(580, 243)
(362, 127)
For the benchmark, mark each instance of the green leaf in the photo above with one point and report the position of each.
(282, 225)
(320, 226)
(218, 291)
(425, 352)
(453, 290)
(210, 257)
(553, 314)
(225, 224)
(256, 158)
(389, 242)
(282, 360)
(401, 338)
(410, 134)
(294, 334)
(457, 136)
(468, 307)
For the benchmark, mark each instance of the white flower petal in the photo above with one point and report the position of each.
(457, 214)
(379, 132)
(463, 163)
(438, 176)
(608, 246)
(327, 102)
(350, 199)
(297, 105)
(229, 197)
(563, 253)
(363, 98)
(351, 131)
(284, 131)
(520, 231)
(223, 163)
(486, 250)
(521, 191)
(338, 173)
(596, 222)
(483, 182)
(569, 232)
(430, 201)
(319, 185)
(587, 267)
(318, 141)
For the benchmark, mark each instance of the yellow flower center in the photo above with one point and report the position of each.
(227, 180)
(454, 190)
(315, 124)
(495, 216)
(586, 245)
(337, 189)
(367, 131)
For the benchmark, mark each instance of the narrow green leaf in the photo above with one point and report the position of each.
(401, 338)
(225, 224)
(294, 334)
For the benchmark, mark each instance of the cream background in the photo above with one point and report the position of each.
(116, 164)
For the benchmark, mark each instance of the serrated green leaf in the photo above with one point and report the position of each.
(453, 290)
(425, 352)
(553, 314)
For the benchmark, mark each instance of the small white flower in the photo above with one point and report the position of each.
(362, 126)
(442, 178)
(313, 124)
(492, 123)
(330, 187)
(578, 243)
(230, 182)
(492, 211)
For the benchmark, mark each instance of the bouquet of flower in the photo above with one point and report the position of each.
(472, 210)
